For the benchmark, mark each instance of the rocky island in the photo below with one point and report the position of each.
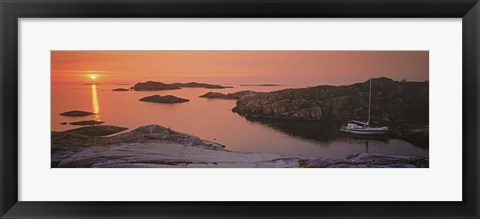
(401, 105)
(393, 101)
(164, 99)
(87, 122)
(214, 95)
(120, 89)
(157, 146)
(76, 113)
(260, 85)
(229, 96)
(100, 130)
(155, 86)
(200, 85)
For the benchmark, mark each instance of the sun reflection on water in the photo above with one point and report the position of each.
(95, 105)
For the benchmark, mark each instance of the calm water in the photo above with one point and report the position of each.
(212, 119)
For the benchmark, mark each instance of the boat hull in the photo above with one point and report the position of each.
(378, 131)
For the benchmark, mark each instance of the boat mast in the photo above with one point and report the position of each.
(369, 101)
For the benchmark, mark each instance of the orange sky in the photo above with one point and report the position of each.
(285, 67)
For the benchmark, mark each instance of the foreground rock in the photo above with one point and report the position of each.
(364, 160)
(230, 96)
(157, 146)
(153, 86)
(147, 146)
(153, 146)
(120, 89)
(76, 113)
(100, 130)
(164, 99)
(87, 122)
(392, 102)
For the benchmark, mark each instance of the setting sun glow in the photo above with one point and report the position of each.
(312, 67)
(93, 77)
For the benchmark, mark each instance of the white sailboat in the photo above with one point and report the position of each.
(363, 128)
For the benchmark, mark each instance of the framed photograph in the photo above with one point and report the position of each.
(234, 109)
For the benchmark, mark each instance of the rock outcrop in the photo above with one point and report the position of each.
(392, 102)
(164, 99)
(76, 113)
(87, 122)
(156, 146)
(153, 86)
(364, 160)
(74, 149)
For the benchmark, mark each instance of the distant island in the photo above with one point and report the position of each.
(261, 85)
(164, 99)
(76, 113)
(153, 86)
(120, 89)
(87, 122)
(231, 96)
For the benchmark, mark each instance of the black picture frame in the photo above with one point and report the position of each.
(12, 10)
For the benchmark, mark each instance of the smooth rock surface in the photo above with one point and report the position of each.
(155, 146)
(364, 160)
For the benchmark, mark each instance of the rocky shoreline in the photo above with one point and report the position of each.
(403, 106)
(392, 102)
(156, 146)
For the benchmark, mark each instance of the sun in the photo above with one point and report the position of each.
(93, 77)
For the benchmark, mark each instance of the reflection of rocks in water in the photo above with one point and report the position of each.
(311, 130)
(328, 130)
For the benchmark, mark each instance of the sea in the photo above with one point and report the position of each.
(213, 120)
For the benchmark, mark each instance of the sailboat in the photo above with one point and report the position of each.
(363, 128)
